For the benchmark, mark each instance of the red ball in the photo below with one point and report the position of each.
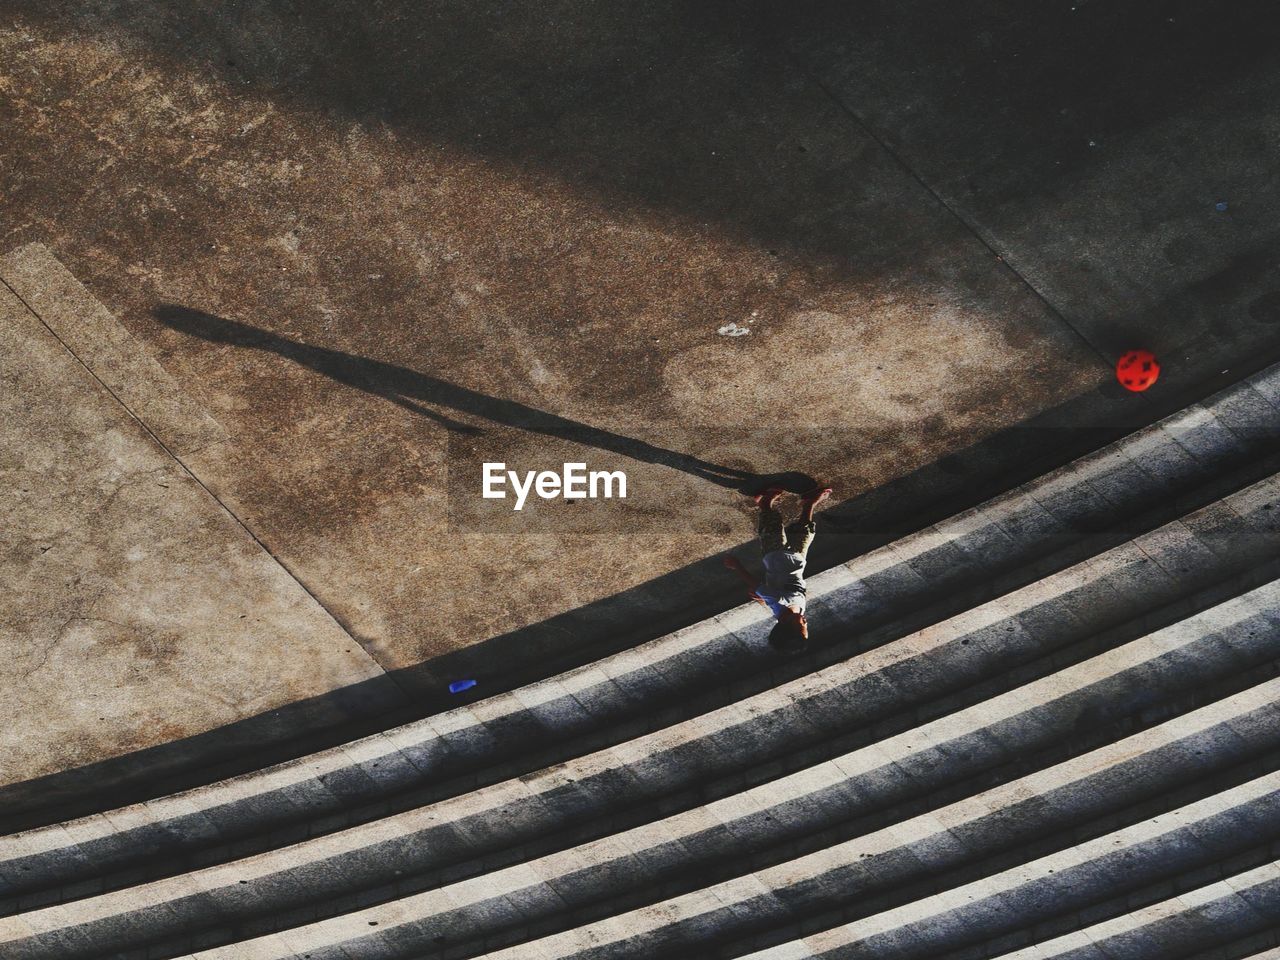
(1137, 370)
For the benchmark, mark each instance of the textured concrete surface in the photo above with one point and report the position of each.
(539, 209)
(115, 359)
(1120, 156)
(135, 608)
(374, 244)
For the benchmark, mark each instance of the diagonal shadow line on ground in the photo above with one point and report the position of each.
(586, 94)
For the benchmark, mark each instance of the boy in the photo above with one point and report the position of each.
(783, 549)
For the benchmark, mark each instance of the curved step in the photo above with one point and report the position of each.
(1230, 910)
(1009, 685)
(379, 863)
(895, 686)
(1193, 837)
(1013, 899)
(926, 846)
(205, 826)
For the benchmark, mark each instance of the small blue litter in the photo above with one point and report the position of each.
(1221, 206)
(457, 686)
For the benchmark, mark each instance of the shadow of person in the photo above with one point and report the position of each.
(411, 390)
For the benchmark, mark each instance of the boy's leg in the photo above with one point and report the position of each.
(770, 529)
(769, 524)
(800, 535)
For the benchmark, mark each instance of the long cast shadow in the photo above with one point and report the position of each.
(411, 389)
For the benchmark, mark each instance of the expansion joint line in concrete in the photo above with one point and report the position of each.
(897, 158)
(191, 473)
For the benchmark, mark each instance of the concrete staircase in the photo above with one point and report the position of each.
(1046, 727)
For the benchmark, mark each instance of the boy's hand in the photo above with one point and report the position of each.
(734, 564)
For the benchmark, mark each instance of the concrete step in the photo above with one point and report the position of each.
(804, 890)
(1234, 909)
(1190, 842)
(331, 790)
(378, 863)
(1089, 656)
(924, 676)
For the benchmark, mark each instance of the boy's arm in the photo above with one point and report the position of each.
(734, 564)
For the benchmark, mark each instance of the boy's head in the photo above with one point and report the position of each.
(789, 634)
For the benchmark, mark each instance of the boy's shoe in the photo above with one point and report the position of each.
(766, 497)
(816, 495)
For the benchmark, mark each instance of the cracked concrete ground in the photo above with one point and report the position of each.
(373, 245)
(134, 607)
